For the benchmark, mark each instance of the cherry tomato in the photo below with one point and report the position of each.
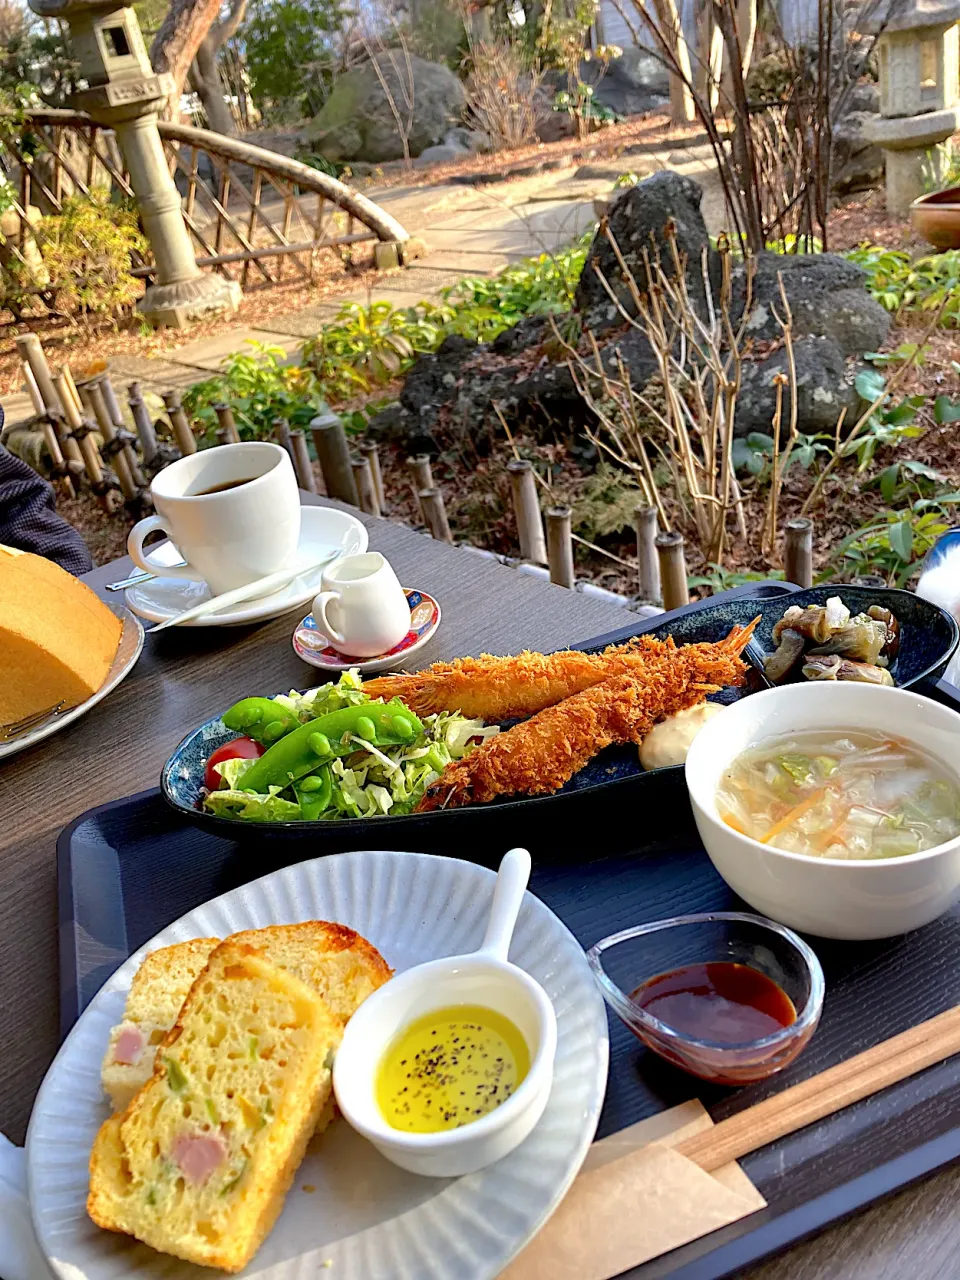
(238, 749)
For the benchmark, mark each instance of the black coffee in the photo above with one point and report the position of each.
(221, 488)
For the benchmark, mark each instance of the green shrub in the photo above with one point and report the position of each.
(258, 388)
(291, 51)
(903, 284)
(87, 250)
(367, 346)
(754, 453)
(889, 423)
(8, 197)
(536, 286)
(894, 542)
(718, 579)
(606, 504)
(941, 169)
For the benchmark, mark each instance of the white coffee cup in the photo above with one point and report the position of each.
(233, 513)
(362, 608)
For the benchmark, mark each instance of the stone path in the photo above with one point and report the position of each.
(469, 231)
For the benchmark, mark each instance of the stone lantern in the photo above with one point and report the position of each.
(125, 95)
(918, 45)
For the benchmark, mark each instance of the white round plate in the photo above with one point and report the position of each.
(310, 644)
(320, 528)
(366, 1219)
(128, 651)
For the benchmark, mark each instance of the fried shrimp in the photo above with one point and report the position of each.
(544, 752)
(502, 688)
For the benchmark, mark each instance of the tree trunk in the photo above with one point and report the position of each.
(682, 110)
(744, 158)
(747, 35)
(180, 35)
(709, 62)
(205, 76)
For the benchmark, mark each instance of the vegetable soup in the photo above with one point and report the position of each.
(841, 794)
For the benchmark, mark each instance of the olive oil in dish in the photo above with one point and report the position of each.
(449, 1068)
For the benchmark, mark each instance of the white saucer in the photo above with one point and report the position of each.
(320, 527)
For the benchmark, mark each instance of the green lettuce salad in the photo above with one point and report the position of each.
(334, 752)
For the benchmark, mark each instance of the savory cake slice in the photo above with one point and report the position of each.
(154, 1000)
(200, 1162)
(337, 961)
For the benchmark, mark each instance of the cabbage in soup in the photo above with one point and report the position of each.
(840, 794)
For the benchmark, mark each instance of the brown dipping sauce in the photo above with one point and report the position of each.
(722, 1001)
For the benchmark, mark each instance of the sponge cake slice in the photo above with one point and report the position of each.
(57, 639)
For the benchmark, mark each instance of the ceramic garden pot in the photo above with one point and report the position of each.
(936, 217)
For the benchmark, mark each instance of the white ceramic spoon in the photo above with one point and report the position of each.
(262, 587)
(487, 978)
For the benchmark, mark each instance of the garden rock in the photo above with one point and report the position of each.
(857, 162)
(827, 299)
(450, 394)
(632, 84)
(636, 221)
(863, 96)
(524, 371)
(433, 377)
(555, 126)
(552, 126)
(472, 140)
(441, 154)
(357, 123)
(458, 144)
(824, 388)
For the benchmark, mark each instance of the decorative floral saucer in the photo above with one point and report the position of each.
(310, 644)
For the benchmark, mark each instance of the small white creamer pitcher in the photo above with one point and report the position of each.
(362, 608)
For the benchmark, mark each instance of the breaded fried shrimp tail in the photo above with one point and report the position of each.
(542, 753)
(503, 688)
(493, 688)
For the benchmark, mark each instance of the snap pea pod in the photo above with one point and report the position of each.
(262, 719)
(314, 793)
(388, 724)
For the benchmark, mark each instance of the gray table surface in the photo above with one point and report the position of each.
(185, 677)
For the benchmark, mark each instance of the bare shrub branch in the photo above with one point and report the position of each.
(502, 93)
(684, 416)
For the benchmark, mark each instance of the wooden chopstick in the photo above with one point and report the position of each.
(838, 1087)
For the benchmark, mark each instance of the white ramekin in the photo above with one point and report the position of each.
(478, 979)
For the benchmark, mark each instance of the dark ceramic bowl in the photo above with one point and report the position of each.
(929, 635)
(612, 787)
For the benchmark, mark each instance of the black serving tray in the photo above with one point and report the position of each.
(129, 868)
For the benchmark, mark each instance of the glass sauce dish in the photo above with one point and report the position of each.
(625, 963)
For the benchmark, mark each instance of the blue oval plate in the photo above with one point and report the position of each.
(929, 637)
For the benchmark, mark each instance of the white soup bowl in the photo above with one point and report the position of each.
(830, 897)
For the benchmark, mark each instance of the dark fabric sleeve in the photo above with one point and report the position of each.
(28, 520)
